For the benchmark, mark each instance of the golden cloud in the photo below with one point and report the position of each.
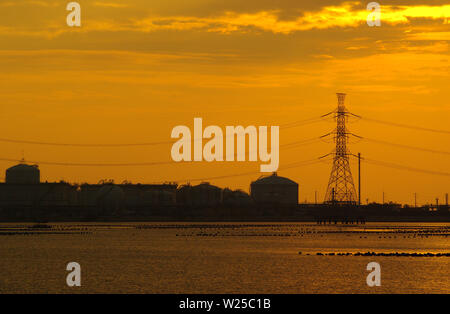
(342, 16)
(327, 17)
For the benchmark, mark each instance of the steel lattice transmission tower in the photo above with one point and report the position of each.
(341, 189)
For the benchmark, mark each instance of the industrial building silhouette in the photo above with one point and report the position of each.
(24, 195)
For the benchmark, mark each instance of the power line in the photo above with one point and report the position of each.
(45, 143)
(301, 143)
(72, 164)
(403, 167)
(301, 123)
(288, 166)
(156, 163)
(408, 146)
(6, 140)
(407, 126)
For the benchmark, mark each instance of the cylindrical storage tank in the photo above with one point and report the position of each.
(206, 194)
(235, 198)
(274, 190)
(23, 174)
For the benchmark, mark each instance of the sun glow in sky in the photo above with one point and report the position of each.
(138, 68)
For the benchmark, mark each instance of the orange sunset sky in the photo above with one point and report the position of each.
(138, 68)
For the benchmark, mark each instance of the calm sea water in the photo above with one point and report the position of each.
(222, 258)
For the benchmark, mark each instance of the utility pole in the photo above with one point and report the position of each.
(359, 178)
(315, 197)
(415, 200)
(383, 197)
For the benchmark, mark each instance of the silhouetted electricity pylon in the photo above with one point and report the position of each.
(341, 189)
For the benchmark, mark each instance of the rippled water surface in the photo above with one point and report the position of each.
(223, 258)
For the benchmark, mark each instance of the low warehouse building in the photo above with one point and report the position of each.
(101, 199)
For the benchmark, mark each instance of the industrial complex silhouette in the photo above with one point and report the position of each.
(24, 197)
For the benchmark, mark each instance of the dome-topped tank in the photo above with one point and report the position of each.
(23, 174)
(274, 189)
(274, 179)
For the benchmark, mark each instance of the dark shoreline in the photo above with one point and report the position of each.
(441, 219)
